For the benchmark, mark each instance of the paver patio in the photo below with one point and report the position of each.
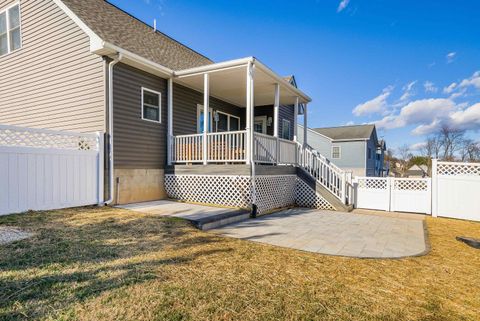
(336, 233)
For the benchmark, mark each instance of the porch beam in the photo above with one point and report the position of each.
(170, 122)
(206, 103)
(295, 118)
(305, 124)
(276, 107)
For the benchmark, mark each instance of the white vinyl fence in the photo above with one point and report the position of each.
(44, 169)
(453, 191)
(393, 194)
(456, 190)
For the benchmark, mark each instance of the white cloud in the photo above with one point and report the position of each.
(350, 123)
(430, 87)
(418, 112)
(408, 91)
(450, 88)
(468, 118)
(472, 81)
(376, 105)
(451, 57)
(343, 4)
(417, 146)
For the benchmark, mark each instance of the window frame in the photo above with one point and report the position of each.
(289, 128)
(339, 152)
(199, 112)
(159, 121)
(7, 21)
(228, 121)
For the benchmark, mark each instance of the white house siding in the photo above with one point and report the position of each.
(53, 81)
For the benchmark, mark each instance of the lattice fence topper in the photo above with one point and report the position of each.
(458, 169)
(372, 183)
(274, 191)
(233, 191)
(410, 184)
(306, 196)
(39, 138)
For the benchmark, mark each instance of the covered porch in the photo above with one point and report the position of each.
(263, 128)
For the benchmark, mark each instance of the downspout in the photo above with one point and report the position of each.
(111, 175)
(254, 211)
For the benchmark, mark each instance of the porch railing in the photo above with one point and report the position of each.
(336, 180)
(230, 147)
(221, 147)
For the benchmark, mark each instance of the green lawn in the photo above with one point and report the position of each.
(112, 264)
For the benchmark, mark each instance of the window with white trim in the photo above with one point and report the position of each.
(10, 33)
(285, 129)
(151, 103)
(336, 152)
(226, 122)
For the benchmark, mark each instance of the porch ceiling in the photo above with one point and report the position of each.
(228, 83)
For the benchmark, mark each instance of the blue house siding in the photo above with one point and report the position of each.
(353, 153)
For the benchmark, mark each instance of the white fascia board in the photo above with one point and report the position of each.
(95, 40)
(100, 47)
(130, 56)
(279, 79)
(213, 67)
(350, 140)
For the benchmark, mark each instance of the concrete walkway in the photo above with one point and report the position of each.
(336, 233)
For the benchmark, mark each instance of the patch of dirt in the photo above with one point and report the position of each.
(10, 234)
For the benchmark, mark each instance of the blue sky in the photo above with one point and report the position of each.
(409, 66)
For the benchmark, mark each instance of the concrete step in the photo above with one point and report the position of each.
(218, 220)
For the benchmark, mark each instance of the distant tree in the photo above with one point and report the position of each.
(418, 160)
(404, 156)
(469, 150)
(451, 141)
(432, 147)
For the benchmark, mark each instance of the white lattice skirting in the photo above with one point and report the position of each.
(272, 191)
(305, 196)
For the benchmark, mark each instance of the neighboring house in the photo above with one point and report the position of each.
(353, 148)
(87, 66)
(417, 171)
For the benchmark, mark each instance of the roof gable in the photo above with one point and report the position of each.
(115, 26)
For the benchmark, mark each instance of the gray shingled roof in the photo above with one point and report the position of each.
(347, 132)
(125, 31)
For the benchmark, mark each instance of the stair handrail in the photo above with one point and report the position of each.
(327, 174)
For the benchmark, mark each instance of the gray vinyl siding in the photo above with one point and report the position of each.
(53, 81)
(287, 113)
(137, 143)
(284, 112)
(185, 101)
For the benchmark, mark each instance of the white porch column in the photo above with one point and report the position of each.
(206, 102)
(295, 119)
(249, 113)
(305, 123)
(170, 122)
(276, 107)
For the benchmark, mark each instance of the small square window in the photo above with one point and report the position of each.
(151, 105)
(336, 152)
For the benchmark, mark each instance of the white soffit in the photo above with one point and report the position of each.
(229, 84)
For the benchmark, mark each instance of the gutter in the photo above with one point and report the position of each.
(111, 175)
